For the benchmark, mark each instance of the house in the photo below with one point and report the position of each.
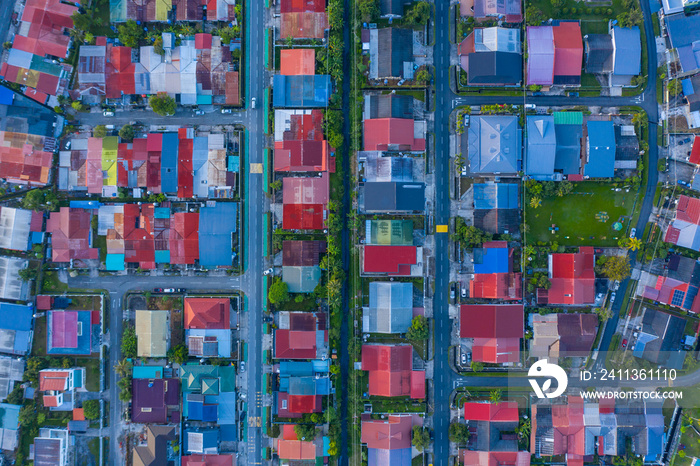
(391, 371)
(217, 224)
(12, 287)
(495, 145)
(392, 8)
(91, 72)
(390, 308)
(405, 261)
(70, 332)
(9, 426)
(388, 440)
(208, 327)
(572, 278)
(301, 335)
(301, 91)
(600, 150)
(492, 57)
(691, 93)
(559, 430)
(304, 202)
(11, 372)
(380, 168)
(626, 147)
(201, 441)
(155, 400)
(301, 388)
(303, 20)
(659, 340)
(670, 291)
(153, 333)
(627, 55)
(388, 197)
(496, 208)
(684, 35)
(299, 142)
(17, 227)
(492, 442)
(155, 451)
(71, 235)
(598, 49)
(554, 145)
(388, 106)
(393, 134)
(391, 53)
(209, 395)
(510, 10)
(292, 449)
(146, 11)
(297, 62)
(16, 328)
(51, 448)
(555, 54)
(26, 158)
(59, 385)
(300, 265)
(493, 276)
(209, 460)
(389, 232)
(42, 39)
(496, 330)
(684, 231)
(563, 335)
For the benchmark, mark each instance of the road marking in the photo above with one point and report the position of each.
(441, 228)
(256, 168)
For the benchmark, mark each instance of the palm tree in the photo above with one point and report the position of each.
(123, 367)
(495, 396)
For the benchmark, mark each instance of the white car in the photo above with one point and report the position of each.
(108, 113)
(252, 102)
(633, 233)
(242, 366)
(268, 271)
(226, 110)
(199, 112)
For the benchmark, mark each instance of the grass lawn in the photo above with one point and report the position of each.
(52, 284)
(575, 215)
(39, 341)
(417, 461)
(594, 27)
(92, 373)
(101, 244)
(101, 9)
(589, 81)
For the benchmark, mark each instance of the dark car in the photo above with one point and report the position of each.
(157, 290)
(180, 290)
(624, 343)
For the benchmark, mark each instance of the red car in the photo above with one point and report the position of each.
(624, 343)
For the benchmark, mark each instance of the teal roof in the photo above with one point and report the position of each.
(203, 99)
(192, 375)
(227, 379)
(161, 212)
(147, 372)
(568, 118)
(115, 262)
(234, 163)
(162, 257)
(9, 416)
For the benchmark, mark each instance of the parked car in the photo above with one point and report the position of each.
(463, 359)
(624, 343)
(464, 292)
(108, 113)
(226, 110)
(467, 120)
(268, 271)
(633, 233)
(452, 293)
(242, 366)
(157, 290)
(180, 290)
(252, 102)
(199, 112)
(612, 298)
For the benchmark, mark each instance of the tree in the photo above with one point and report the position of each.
(603, 313)
(640, 119)
(369, 9)
(82, 22)
(495, 396)
(130, 33)
(28, 273)
(279, 292)
(158, 46)
(674, 87)
(276, 185)
(162, 104)
(306, 432)
(7, 45)
(128, 345)
(535, 202)
(78, 106)
(27, 415)
(127, 133)
(630, 243)
(422, 76)
(533, 16)
(419, 14)
(421, 438)
(99, 131)
(477, 366)
(40, 199)
(123, 367)
(469, 235)
(335, 14)
(89, 38)
(418, 329)
(557, 3)
(179, 354)
(16, 395)
(617, 268)
(91, 409)
(564, 188)
(458, 433)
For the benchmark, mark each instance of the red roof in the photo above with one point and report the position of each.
(208, 460)
(390, 370)
(695, 153)
(71, 235)
(23, 158)
(232, 88)
(297, 6)
(394, 433)
(506, 411)
(184, 238)
(302, 156)
(44, 303)
(36, 95)
(202, 41)
(78, 414)
(491, 321)
(207, 313)
(506, 286)
(119, 72)
(307, 126)
(294, 406)
(303, 216)
(296, 450)
(496, 350)
(47, 20)
(307, 190)
(572, 277)
(568, 49)
(496, 458)
(417, 385)
(688, 209)
(298, 62)
(295, 344)
(64, 329)
(391, 260)
(185, 178)
(51, 380)
(51, 401)
(380, 133)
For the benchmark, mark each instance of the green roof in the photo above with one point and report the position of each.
(390, 232)
(192, 375)
(227, 379)
(568, 118)
(210, 386)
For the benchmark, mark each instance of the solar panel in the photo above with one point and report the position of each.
(678, 296)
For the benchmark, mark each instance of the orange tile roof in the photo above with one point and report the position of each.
(53, 380)
(298, 61)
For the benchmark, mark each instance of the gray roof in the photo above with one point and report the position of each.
(541, 145)
(301, 279)
(388, 106)
(388, 168)
(684, 33)
(660, 338)
(11, 286)
(599, 53)
(626, 145)
(495, 68)
(391, 7)
(389, 49)
(495, 144)
(394, 197)
(14, 228)
(627, 54)
(568, 159)
(390, 308)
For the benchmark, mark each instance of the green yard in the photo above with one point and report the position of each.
(575, 216)
(51, 283)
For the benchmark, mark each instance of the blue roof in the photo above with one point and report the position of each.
(6, 95)
(168, 163)
(161, 212)
(228, 433)
(601, 150)
(684, 33)
(16, 317)
(162, 256)
(216, 224)
(295, 368)
(489, 196)
(687, 86)
(234, 163)
(628, 51)
(147, 372)
(541, 146)
(227, 408)
(85, 204)
(204, 99)
(115, 262)
(303, 91)
(9, 416)
(491, 260)
(399, 457)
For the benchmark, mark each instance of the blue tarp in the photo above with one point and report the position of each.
(601, 150)
(301, 91)
(168, 163)
(85, 204)
(491, 260)
(115, 262)
(6, 96)
(216, 224)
